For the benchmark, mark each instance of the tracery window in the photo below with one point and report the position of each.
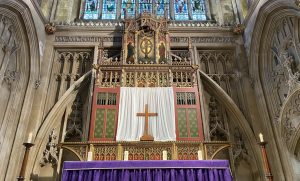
(145, 6)
(162, 7)
(181, 10)
(109, 9)
(91, 9)
(198, 10)
(128, 8)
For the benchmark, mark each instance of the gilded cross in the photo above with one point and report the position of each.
(146, 114)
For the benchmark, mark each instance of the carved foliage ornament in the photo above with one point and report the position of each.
(50, 154)
(290, 116)
(238, 29)
(285, 65)
(297, 2)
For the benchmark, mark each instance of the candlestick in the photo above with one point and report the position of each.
(261, 137)
(29, 138)
(200, 156)
(90, 156)
(25, 159)
(268, 173)
(126, 153)
(165, 155)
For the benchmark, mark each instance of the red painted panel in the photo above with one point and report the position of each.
(196, 106)
(95, 106)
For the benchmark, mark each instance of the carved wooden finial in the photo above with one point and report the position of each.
(195, 66)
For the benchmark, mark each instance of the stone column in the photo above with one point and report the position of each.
(100, 10)
(235, 11)
(207, 10)
(172, 11)
(220, 12)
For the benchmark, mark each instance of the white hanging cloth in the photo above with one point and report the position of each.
(160, 100)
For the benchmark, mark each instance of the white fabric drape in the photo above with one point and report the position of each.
(133, 100)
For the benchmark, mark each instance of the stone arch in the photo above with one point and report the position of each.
(235, 112)
(51, 121)
(26, 66)
(260, 69)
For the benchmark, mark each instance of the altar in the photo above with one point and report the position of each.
(145, 108)
(166, 170)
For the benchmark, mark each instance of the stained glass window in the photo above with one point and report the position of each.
(91, 9)
(128, 6)
(181, 10)
(145, 6)
(109, 9)
(198, 9)
(161, 6)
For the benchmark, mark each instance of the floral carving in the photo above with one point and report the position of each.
(238, 29)
(50, 154)
(297, 2)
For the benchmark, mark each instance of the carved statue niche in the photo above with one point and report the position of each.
(145, 40)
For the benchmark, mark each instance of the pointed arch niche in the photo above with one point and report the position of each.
(274, 60)
(19, 69)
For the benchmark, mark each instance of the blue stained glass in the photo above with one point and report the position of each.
(181, 10)
(91, 9)
(109, 9)
(145, 6)
(198, 9)
(161, 6)
(128, 6)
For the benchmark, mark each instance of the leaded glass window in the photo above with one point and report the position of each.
(91, 10)
(181, 10)
(109, 9)
(145, 6)
(128, 7)
(161, 7)
(198, 9)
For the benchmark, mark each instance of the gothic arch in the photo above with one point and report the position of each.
(21, 83)
(260, 64)
(52, 120)
(235, 112)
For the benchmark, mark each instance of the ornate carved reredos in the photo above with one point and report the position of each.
(145, 40)
(145, 59)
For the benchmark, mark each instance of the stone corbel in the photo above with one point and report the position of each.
(238, 29)
(50, 28)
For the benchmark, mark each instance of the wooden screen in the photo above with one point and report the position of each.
(187, 114)
(104, 114)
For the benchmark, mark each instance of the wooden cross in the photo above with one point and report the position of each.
(146, 136)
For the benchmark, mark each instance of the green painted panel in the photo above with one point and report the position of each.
(182, 128)
(192, 114)
(99, 123)
(110, 123)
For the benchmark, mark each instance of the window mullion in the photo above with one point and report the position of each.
(100, 9)
(189, 9)
(172, 11)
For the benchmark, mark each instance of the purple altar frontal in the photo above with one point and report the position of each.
(164, 170)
